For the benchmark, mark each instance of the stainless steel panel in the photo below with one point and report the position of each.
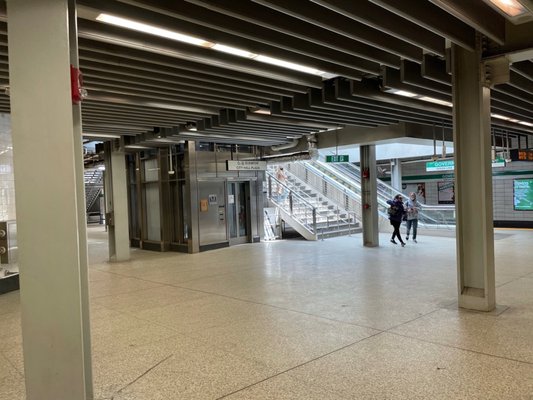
(212, 222)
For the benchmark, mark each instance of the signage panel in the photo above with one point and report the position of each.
(246, 165)
(338, 158)
(448, 165)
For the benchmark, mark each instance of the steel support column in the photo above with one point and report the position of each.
(117, 204)
(369, 196)
(396, 174)
(50, 224)
(473, 185)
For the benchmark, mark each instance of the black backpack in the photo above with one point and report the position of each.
(394, 210)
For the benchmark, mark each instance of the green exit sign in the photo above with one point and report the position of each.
(338, 158)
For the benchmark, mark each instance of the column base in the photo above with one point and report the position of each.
(475, 299)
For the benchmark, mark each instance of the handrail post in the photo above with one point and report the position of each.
(314, 220)
(269, 187)
(290, 201)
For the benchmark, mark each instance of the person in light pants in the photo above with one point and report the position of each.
(412, 206)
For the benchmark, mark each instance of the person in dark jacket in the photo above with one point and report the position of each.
(396, 213)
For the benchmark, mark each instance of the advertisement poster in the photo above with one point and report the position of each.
(418, 188)
(446, 192)
(523, 194)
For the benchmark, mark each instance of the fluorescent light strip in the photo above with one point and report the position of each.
(404, 93)
(436, 101)
(153, 30)
(512, 8)
(233, 50)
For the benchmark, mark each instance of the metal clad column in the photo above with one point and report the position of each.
(396, 174)
(369, 196)
(192, 196)
(52, 298)
(80, 194)
(117, 204)
(473, 185)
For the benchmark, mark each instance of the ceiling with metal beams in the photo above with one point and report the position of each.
(368, 63)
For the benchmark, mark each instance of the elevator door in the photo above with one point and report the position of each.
(238, 212)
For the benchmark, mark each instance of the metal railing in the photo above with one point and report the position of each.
(347, 176)
(293, 203)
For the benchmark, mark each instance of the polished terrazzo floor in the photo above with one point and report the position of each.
(299, 320)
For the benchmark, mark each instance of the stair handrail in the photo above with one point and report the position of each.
(354, 179)
(292, 195)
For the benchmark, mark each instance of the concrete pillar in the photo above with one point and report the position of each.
(396, 174)
(50, 238)
(473, 181)
(117, 204)
(369, 196)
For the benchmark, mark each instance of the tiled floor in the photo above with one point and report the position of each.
(299, 320)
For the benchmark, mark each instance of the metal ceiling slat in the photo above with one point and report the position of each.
(139, 110)
(435, 69)
(392, 80)
(122, 74)
(286, 107)
(329, 96)
(368, 89)
(516, 93)
(101, 117)
(344, 26)
(158, 45)
(263, 37)
(303, 103)
(478, 15)
(284, 120)
(123, 66)
(524, 68)
(130, 116)
(376, 17)
(182, 19)
(150, 102)
(433, 19)
(504, 97)
(177, 100)
(172, 89)
(288, 25)
(411, 73)
(520, 82)
(138, 59)
(515, 112)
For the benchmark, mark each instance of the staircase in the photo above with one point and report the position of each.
(308, 211)
(93, 186)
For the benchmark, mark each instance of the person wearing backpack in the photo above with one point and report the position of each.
(396, 213)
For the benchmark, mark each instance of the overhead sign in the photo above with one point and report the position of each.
(448, 165)
(445, 165)
(246, 165)
(338, 158)
(521, 155)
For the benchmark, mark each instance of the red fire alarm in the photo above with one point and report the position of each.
(366, 173)
(76, 85)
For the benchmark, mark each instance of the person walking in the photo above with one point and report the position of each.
(282, 180)
(413, 206)
(396, 213)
